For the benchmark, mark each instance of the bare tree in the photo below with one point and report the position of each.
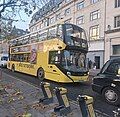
(9, 9)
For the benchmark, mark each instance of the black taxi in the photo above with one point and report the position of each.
(107, 82)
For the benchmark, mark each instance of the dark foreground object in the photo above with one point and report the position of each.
(107, 82)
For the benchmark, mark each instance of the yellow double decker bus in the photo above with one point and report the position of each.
(57, 53)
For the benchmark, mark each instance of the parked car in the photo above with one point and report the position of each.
(3, 60)
(107, 82)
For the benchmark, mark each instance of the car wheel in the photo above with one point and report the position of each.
(40, 74)
(111, 95)
(13, 68)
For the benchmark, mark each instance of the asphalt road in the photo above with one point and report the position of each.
(73, 91)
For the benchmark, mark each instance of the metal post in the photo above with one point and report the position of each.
(86, 107)
(48, 97)
(83, 106)
(64, 106)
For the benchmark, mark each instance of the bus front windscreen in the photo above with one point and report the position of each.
(73, 61)
(75, 36)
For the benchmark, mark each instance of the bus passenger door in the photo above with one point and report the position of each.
(53, 73)
(52, 70)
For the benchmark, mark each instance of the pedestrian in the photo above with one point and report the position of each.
(90, 64)
(94, 66)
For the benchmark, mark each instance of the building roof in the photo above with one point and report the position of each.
(18, 32)
(45, 9)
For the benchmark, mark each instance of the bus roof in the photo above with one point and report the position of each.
(23, 40)
(47, 27)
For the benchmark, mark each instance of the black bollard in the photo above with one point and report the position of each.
(64, 106)
(86, 107)
(48, 97)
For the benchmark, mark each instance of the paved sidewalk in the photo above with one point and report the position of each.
(20, 99)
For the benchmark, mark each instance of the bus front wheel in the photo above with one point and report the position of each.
(13, 68)
(40, 74)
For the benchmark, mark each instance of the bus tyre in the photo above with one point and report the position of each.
(13, 68)
(40, 74)
(111, 95)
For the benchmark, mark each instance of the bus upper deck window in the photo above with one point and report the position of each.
(52, 32)
(69, 29)
(42, 36)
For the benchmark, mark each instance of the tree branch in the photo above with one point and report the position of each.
(5, 5)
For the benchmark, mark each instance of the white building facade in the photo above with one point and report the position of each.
(112, 33)
(91, 15)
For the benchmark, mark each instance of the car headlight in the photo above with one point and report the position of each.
(68, 73)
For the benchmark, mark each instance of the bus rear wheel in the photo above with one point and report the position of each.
(40, 74)
(13, 68)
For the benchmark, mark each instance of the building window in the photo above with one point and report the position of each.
(116, 49)
(45, 23)
(51, 20)
(94, 32)
(117, 21)
(80, 20)
(95, 15)
(67, 11)
(40, 26)
(32, 29)
(35, 28)
(80, 5)
(117, 3)
(58, 16)
(94, 1)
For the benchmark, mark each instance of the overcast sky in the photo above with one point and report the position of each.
(24, 23)
(23, 19)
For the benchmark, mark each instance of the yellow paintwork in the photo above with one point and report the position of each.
(89, 102)
(63, 90)
(42, 61)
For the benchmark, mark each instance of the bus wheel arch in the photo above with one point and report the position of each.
(13, 68)
(40, 74)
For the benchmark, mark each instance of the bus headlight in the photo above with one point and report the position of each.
(68, 73)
